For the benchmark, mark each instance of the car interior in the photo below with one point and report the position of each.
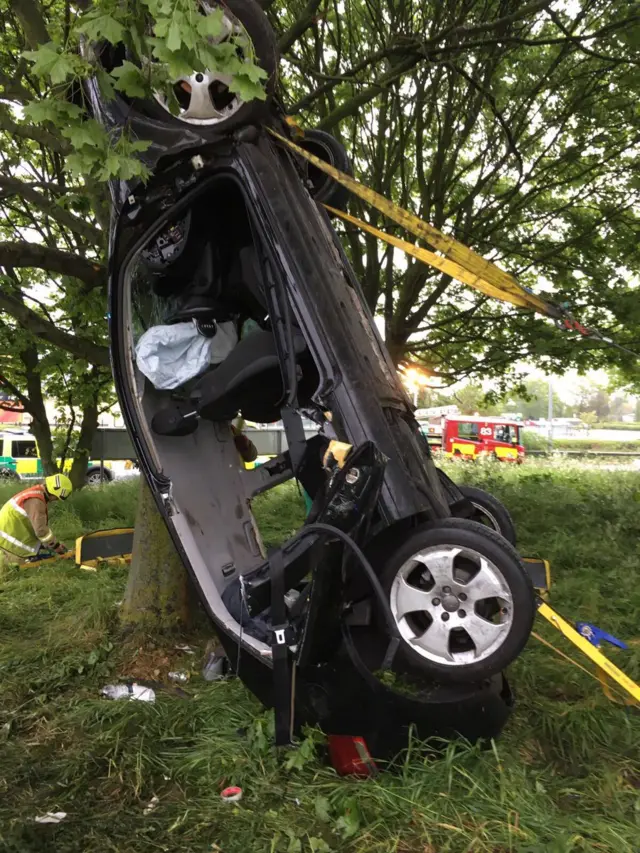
(207, 268)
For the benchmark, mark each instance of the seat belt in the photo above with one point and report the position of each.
(281, 637)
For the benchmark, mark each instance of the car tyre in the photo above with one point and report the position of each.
(476, 636)
(324, 189)
(490, 512)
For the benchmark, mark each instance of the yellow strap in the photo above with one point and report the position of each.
(437, 261)
(590, 650)
(465, 258)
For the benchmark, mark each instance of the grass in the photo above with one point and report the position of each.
(564, 776)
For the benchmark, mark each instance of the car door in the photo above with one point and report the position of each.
(25, 452)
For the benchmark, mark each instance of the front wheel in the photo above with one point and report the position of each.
(462, 600)
(490, 512)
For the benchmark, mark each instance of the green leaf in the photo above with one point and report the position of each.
(348, 823)
(106, 84)
(176, 64)
(211, 25)
(98, 25)
(49, 61)
(53, 110)
(130, 80)
(323, 809)
(86, 134)
(246, 89)
(318, 845)
(174, 36)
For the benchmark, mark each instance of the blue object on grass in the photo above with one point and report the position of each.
(597, 636)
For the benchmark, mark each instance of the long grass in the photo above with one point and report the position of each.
(565, 775)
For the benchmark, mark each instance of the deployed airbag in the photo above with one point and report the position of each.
(171, 355)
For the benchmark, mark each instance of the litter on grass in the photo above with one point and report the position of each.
(151, 805)
(129, 691)
(213, 669)
(179, 677)
(232, 794)
(51, 817)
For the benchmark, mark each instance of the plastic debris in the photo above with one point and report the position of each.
(51, 817)
(183, 647)
(129, 691)
(213, 669)
(233, 794)
(151, 805)
(179, 677)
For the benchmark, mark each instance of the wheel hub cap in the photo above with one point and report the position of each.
(452, 605)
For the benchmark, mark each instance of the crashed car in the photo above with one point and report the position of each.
(231, 295)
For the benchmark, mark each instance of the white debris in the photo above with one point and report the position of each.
(129, 691)
(51, 817)
(151, 805)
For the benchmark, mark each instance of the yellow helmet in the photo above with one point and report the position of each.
(58, 486)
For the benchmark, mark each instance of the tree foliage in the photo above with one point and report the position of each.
(513, 126)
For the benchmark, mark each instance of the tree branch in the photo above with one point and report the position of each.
(54, 335)
(30, 131)
(306, 20)
(14, 186)
(25, 254)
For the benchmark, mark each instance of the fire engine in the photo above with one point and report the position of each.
(476, 436)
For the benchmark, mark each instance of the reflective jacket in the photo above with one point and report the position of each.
(24, 522)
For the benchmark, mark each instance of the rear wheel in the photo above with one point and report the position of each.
(490, 512)
(462, 600)
(327, 148)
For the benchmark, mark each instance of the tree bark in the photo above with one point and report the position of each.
(158, 596)
(88, 428)
(40, 426)
(25, 254)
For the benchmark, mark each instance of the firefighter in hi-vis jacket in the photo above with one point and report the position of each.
(24, 520)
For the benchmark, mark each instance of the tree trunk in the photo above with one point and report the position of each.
(40, 426)
(88, 429)
(158, 593)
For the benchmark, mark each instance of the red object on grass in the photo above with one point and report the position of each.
(350, 756)
(232, 794)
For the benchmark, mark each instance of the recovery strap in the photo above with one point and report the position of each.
(453, 258)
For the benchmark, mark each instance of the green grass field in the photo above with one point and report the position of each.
(565, 775)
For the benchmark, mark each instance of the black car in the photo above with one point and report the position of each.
(390, 571)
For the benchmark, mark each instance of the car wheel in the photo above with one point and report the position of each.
(490, 512)
(324, 189)
(95, 476)
(8, 474)
(205, 99)
(461, 599)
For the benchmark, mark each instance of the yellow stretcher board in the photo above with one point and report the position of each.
(540, 573)
(103, 545)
